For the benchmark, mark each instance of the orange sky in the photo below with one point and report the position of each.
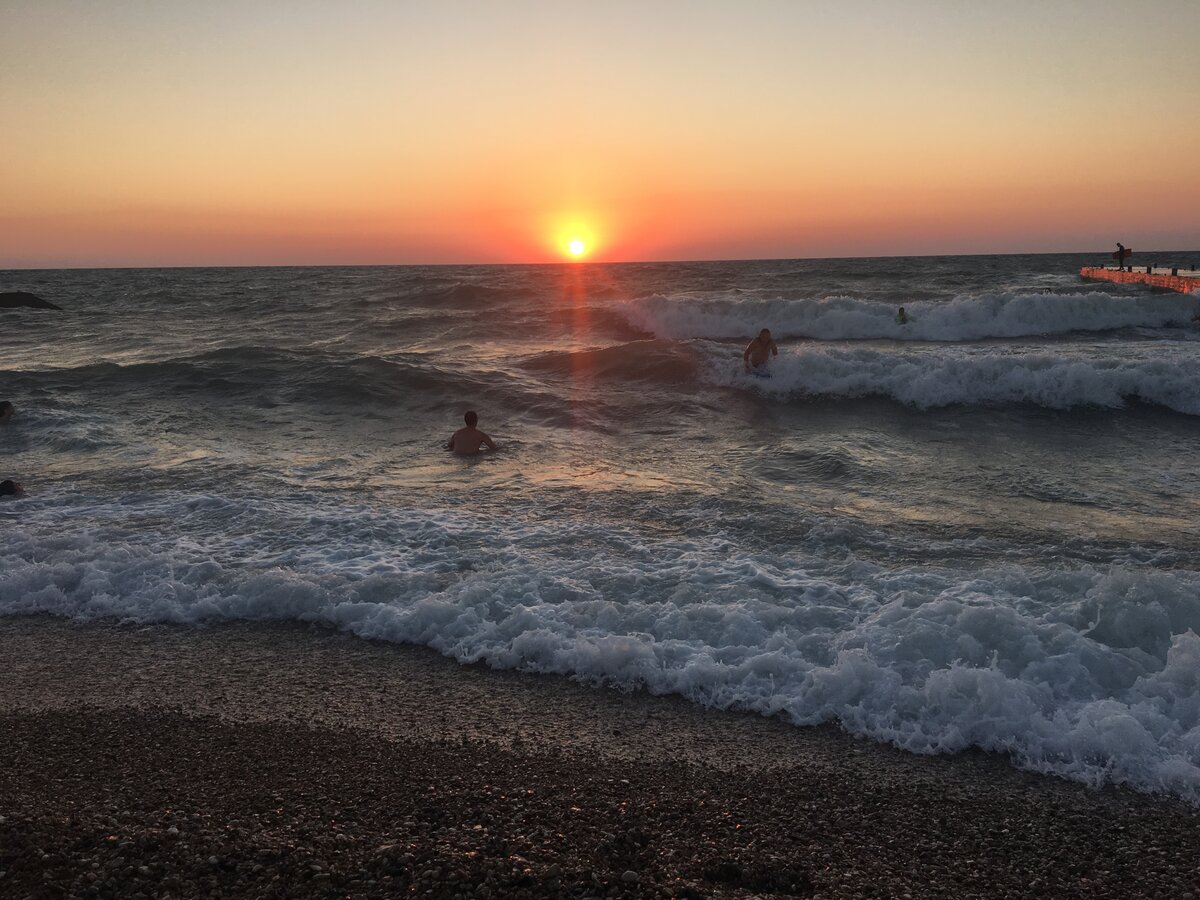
(240, 133)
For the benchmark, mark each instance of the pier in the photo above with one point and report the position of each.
(1185, 281)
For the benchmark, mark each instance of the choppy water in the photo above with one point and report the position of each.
(975, 530)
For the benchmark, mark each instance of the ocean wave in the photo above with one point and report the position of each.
(251, 378)
(967, 317)
(60, 430)
(580, 320)
(544, 289)
(263, 374)
(1088, 673)
(655, 361)
(933, 379)
(463, 294)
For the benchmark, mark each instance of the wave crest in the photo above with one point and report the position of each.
(655, 361)
(927, 380)
(1081, 672)
(262, 376)
(968, 317)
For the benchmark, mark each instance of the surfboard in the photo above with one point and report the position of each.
(1121, 254)
(758, 374)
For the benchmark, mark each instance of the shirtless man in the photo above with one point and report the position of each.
(759, 349)
(467, 441)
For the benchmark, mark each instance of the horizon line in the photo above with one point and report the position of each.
(565, 263)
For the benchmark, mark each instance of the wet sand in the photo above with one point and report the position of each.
(285, 761)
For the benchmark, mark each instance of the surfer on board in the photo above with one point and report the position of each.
(469, 440)
(758, 350)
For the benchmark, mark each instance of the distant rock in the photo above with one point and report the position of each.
(13, 299)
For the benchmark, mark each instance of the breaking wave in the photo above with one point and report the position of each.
(1090, 673)
(983, 377)
(967, 317)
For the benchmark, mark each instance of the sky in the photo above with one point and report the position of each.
(159, 133)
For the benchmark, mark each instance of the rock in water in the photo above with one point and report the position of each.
(13, 299)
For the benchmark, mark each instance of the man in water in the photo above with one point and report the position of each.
(758, 350)
(902, 317)
(10, 488)
(468, 441)
(6, 410)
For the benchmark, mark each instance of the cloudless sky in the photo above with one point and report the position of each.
(254, 132)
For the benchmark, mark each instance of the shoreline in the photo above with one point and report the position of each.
(308, 762)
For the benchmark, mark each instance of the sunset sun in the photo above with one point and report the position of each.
(575, 235)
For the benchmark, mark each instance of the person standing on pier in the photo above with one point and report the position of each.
(1121, 254)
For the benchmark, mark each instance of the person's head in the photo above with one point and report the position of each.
(6, 410)
(902, 310)
(765, 334)
(9, 488)
(471, 418)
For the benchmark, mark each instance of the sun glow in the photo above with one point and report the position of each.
(575, 236)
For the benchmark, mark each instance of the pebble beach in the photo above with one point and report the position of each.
(250, 760)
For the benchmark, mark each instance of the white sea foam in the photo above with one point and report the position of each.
(967, 317)
(977, 375)
(1085, 672)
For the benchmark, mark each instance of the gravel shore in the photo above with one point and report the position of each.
(281, 761)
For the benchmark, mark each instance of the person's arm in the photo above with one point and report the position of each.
(450, 443)
(746, 355)
(487, 440)
(774, 349)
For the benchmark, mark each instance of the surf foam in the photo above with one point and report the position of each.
(1084, 672)
(965, 318)
(975, 376)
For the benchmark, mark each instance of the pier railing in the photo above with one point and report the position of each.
(1185, 281)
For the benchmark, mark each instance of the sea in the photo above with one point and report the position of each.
(975, 530)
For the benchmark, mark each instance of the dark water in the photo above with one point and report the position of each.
(974, 529)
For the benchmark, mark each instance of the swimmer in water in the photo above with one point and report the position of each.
(901, 317)
(758, 350)
(6, 411)
(10, 488)
(470, 440)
